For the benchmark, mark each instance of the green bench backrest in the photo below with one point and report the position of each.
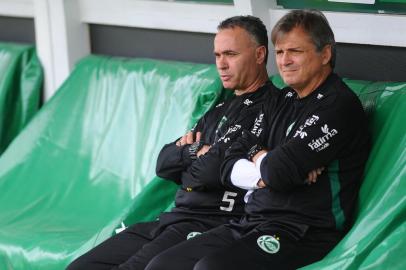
(83, 163)
(20, 89)
(86, 163)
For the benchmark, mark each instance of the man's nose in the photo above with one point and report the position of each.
(221, 62)
(286, 59)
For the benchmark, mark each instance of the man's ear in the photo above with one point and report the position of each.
(261, 54)
(326, 54)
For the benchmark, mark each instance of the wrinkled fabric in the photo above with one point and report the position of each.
(21, 79)
(86, 162)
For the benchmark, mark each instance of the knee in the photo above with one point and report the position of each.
(170, 260)
(159, 262)
(210, 263)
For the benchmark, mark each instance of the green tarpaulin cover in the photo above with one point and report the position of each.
(86, 163)
(20, 89)
(79, 168)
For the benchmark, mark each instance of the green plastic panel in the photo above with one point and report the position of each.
(379, 6)
(21, 79)
(226, 2)
(86, 163)
(87, 160)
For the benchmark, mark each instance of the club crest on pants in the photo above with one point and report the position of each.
(192, 234)
(268, 243)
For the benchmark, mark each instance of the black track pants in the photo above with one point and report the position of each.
(223, 248)
(136, 246)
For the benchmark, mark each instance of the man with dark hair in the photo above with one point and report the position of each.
(194, 160)
(320, 123)
(252, 25)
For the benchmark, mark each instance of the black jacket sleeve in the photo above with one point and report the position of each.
(173, 160)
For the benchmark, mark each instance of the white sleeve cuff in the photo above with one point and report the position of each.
(245, 175)
(258, 163)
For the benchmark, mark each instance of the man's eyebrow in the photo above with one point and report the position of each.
(226, 52)
(290, 49)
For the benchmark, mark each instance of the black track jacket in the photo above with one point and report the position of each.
(201, 191)
(327, 128)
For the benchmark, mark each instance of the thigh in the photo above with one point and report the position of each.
(169, 237)
(273, 249)
(186, 254)
(117, 249)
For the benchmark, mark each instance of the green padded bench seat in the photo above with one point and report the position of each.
(21, 79)
(85, 161)
(377, 239)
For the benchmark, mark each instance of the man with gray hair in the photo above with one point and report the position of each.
(290, 223)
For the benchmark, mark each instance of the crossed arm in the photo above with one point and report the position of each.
(190, 138)
(311, 177)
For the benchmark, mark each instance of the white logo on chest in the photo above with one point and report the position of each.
(309, 122)
(322, 142)
(247, 102)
